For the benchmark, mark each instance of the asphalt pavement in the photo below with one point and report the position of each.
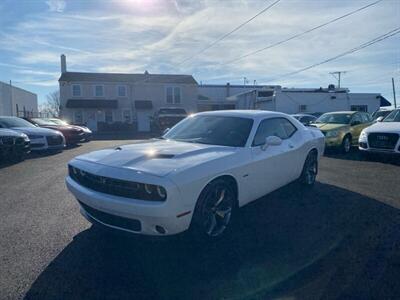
(340, 240)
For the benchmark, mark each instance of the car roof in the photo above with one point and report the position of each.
(252, 114)
(350, 112)
(303, 115)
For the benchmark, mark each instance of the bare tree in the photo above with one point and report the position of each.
(52, 105)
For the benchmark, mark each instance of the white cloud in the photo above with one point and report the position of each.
(159, 37)
(56, 5)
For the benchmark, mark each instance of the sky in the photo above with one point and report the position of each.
(170, 36)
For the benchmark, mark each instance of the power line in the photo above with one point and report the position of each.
(229, 33)
(302, 33)
(358, 48)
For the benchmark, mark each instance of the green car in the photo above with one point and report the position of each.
(342, 128)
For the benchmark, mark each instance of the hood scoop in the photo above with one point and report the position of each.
(162, 156)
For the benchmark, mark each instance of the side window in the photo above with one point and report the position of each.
(356, 119)
(365, 118)
(279, 127)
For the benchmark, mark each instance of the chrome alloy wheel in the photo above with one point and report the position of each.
(346, 144)
(311, 169)
(217, 210)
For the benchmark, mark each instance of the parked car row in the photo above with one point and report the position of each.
(19, 136)
(378, 133)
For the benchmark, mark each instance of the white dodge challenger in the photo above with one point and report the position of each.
(197, 174)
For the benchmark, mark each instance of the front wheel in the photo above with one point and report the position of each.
(346, 144)
(214, 210)
(310, 170)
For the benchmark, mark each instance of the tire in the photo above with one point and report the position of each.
(346, 144)
(310, 170)
(214, 211)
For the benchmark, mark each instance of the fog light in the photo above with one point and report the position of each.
(160, 229)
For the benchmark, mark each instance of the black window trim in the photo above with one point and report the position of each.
(254, 137)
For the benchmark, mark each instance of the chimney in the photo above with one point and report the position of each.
(228, 89)
(63, 64)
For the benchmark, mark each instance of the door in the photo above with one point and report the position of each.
(91, 121)
(143, 120)
(278, 165)
(356, 126)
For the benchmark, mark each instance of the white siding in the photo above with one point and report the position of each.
(10, 97)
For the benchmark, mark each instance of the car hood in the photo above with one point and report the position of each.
(389, 127)
(66, 128)
(158, 157)
(328, 126)
(35, 130)
(8, 132)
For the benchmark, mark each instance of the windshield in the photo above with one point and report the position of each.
(43, 121)
(58, 121)
(10, 122)
(334, 118)
(213, 130)
(380, 113)
(394, 116)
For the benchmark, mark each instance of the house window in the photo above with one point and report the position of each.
(98, 90)
(126, 115)
(173, 95)
(121, 91)
(108, 116)
(363, 108)
(76, 90)
(78, 117)
(303, 108)
(177, 95)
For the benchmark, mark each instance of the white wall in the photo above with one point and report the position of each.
(10, 97)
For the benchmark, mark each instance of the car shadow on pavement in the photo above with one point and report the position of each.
(357, 155)
(325, 243)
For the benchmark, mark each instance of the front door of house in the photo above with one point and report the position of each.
(91, 121)
(143, 120)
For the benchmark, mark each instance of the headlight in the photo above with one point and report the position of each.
(332, 133)
(25, 137)
(363, 135)
(32, 136)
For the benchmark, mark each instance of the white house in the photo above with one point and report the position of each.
(95, 98)
(288, 100)
(15, 101)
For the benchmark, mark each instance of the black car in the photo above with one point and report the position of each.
(13, 145)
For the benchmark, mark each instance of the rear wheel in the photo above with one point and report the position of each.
(214, 210)
(310, 170)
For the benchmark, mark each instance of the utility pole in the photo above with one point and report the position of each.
(338, 76)
(394, 93)
(245, 80)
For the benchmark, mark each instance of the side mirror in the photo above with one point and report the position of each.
(380, 119)
(271, 141)
(166, 130)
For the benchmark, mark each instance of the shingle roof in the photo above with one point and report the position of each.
(116, 77)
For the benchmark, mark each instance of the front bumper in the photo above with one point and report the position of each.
(120, 213)
(333, 142)
(42, 144)
(363, 145)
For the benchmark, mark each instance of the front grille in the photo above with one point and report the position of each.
(106, 218)
(383, 140)
(54, 140)
(7, 140)
(107, 185)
